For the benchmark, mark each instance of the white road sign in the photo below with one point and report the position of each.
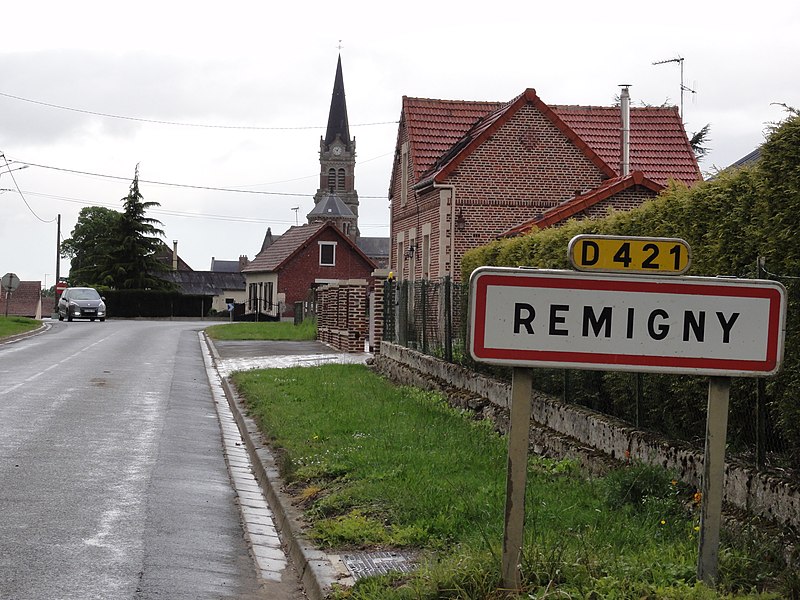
(566, 319)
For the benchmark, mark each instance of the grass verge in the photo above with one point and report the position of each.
(270, 330)
(15, 325)
(375, 465)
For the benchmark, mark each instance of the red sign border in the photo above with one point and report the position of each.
(571, 280)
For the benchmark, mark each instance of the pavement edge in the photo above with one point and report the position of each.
(319, 570)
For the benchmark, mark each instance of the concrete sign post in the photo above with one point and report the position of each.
(718, 327)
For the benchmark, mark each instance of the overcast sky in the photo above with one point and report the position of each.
(236, 96)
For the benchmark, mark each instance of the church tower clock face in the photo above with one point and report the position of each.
(337, 150)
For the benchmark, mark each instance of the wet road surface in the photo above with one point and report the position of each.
(113, 481)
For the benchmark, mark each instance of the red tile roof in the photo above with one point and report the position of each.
(659, 146)
(443, 132)
(571, 207)
(272, 258)
(24, 302)
(435, 126)
(275, 256)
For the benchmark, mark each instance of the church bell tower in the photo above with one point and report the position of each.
(337, 155)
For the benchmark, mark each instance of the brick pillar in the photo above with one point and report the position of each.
(379, 278)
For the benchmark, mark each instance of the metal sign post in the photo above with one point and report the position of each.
(517, 475)
(9, 283)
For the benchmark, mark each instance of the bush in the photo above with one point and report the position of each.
(729, 222)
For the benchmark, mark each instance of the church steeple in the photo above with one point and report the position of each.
(337, 156)
(337, 118)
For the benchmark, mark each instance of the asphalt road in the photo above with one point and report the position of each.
(113, 482)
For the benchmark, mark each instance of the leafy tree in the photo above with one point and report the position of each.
(134, 263)
(91, 244)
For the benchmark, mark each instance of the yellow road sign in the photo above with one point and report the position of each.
(613, 254)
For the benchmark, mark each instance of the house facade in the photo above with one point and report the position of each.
(466, 173)
(303, 258)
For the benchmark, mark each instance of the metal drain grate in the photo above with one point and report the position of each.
(367, 564)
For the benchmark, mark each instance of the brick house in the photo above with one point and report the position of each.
(25, 301)
(466, 173)
(303, 258)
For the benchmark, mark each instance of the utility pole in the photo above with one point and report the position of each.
(58, 248)
(58, 265)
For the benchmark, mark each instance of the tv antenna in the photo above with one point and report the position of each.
(295, 209)
(684, 88)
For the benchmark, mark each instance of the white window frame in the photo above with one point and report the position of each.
(327, 244)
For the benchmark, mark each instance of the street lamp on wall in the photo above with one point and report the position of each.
(461, 222)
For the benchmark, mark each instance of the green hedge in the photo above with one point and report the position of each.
(729, 222)
(155, 303)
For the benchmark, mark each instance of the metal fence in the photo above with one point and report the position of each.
(431, 317)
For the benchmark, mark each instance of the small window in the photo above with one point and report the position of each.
(340, 181)
(327, 254)
(331, 179)
(269, 295)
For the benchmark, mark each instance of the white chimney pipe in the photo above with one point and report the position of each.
(625, 141)
(174, 255)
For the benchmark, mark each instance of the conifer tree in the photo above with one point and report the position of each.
(134, 264)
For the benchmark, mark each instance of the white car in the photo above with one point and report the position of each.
(81, 303)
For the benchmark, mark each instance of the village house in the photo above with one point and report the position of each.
(466, 173)
(223, 283)
(303, 258)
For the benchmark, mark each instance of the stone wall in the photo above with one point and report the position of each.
(567, 430)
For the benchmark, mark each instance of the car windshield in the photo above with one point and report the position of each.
(87, 294)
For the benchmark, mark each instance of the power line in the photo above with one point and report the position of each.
(177, 185)
(190, 215)
(178, 123)
(19, 191)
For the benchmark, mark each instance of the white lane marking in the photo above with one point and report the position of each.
(35, 376)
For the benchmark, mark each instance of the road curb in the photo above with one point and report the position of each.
(21, 336)
(318, 570)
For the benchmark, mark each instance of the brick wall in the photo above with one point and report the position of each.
(343, 318)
